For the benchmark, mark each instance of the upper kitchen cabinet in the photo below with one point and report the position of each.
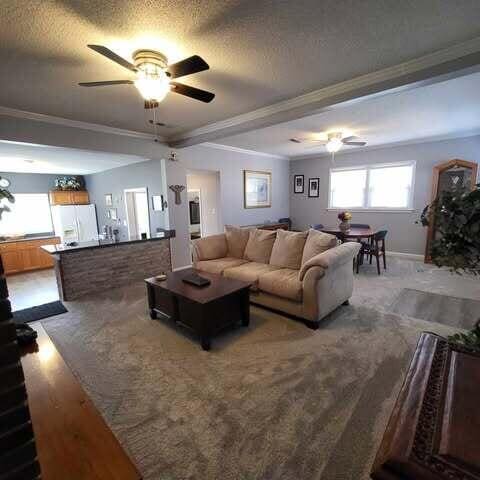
(69, 197)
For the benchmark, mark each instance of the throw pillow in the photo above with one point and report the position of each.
(237, 239)
(210, 248)
(288, 249)
(317, 242)
(259, 245)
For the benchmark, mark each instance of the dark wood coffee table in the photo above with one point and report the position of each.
(205, 310)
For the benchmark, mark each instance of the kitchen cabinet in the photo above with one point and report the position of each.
(25, 255)
(69, 197)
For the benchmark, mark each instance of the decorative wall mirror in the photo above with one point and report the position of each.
(454, 175)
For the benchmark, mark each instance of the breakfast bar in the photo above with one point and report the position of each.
(86, 268)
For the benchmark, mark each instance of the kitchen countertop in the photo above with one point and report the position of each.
(62, 248)
(27, 239)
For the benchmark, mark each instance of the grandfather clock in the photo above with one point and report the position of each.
(454, 175)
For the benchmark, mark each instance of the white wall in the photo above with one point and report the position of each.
(208, 183)
(230, 165)
(404, 234)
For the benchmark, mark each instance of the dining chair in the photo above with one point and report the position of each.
(375, 249)
(362, 225)
(359, 225)
(317, 226)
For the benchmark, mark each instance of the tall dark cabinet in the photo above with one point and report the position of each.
(18, 454)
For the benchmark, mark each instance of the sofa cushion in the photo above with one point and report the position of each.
(209, 248)
(288, 249)
(218, 265)
(249, 272)
(283, 283)
(237, 239)
(259, 245)
(317, 242)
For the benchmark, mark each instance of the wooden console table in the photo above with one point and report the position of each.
(434, 429)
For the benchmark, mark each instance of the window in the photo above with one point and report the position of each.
(374, 187)
(29, 214)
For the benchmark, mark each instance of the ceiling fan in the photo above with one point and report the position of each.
(334, 141)
(154, 75)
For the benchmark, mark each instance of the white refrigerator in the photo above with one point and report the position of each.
(75, 223)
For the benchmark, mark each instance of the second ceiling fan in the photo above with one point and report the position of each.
(154, 75)
(334, 141)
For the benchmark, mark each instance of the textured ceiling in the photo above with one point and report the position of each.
(445, 109)
(260, 52)
(30, 158)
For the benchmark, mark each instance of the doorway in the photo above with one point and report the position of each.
(203, 193)
(195, 214)
(136, 208)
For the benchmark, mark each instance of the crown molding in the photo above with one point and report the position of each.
(454, 61)
(229, 148)
(416, 141)
(66, 122)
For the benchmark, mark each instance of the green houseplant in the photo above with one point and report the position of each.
(5, 194)
(456, 215)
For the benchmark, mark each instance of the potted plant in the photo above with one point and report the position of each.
(5, 194)
(456, 215)
(344, 218)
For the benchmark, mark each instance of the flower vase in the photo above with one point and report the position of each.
(344, 226)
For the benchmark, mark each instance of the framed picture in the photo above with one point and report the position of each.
(108, 200)
(158, 203)
(298, 183)
(313, 187)
(257, 189)
(113, 214)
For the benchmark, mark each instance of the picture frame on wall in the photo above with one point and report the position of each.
(108, 200)
(313, 187)
(257, 189)
(113, 214)
(298, 184)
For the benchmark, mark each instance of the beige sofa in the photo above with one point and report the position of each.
(305, 274)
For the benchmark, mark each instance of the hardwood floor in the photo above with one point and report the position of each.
(32, 288)
(73, 441)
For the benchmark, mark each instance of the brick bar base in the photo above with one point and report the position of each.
(89, 271)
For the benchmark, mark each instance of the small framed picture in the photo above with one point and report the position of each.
(313, 187)
(108, 200)
(113, 214)
(158, 203)
(298, 183)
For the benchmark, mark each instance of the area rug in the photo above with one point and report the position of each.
(275, 400)
(432, 307)
(39, 312)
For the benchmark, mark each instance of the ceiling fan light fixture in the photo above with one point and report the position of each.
(334, 144)
(153, 85)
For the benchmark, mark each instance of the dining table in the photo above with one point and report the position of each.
(354, 233)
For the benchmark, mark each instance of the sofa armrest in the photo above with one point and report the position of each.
(331, 258)
(209, 248)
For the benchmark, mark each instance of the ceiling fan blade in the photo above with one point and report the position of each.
(356, 144)
(295, 140)
(349, 139)
(107, 82)
(106, 52)
(188, 66)
(192, 92)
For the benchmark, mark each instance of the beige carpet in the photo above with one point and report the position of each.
(274, 401)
